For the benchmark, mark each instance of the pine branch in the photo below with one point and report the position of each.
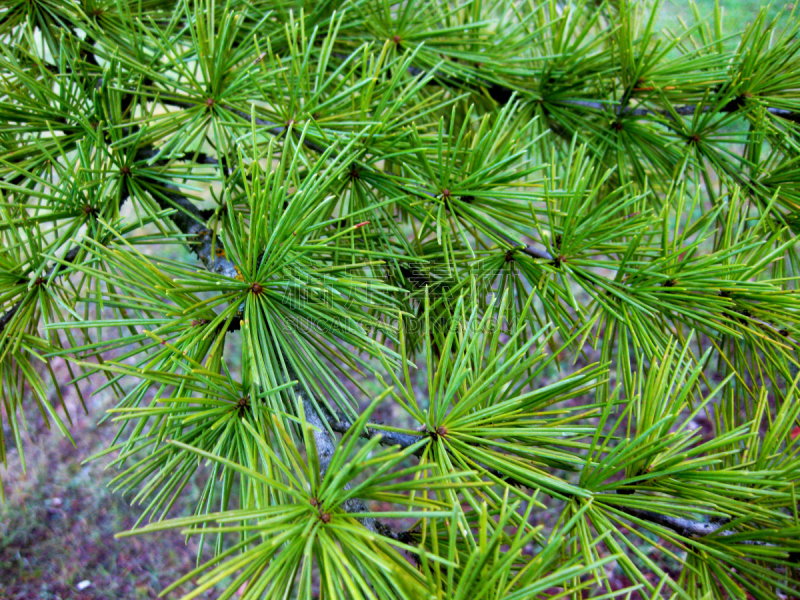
(525, 249)
(8, 315)
(205, 245)
(502, 94)
(688, 110)
(688, 528)
(326, 447)
(515, 245)
(54, 271)
(188, 218)
(341, 424)
(680, 525)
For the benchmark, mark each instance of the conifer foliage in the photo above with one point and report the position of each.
(547, 235)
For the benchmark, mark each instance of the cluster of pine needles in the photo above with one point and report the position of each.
(243, 218)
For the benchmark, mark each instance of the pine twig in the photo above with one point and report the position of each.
(326, 447)
(687, 528)
(680, 525)
(342, 424)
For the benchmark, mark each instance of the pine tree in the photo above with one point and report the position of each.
(545, 237)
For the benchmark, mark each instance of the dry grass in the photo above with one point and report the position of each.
(58, 524)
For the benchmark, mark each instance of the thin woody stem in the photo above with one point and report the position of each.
(688, 528)
(325, 445)
(680, 525)
(341, 424)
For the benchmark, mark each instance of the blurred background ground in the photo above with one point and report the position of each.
(58, 523)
